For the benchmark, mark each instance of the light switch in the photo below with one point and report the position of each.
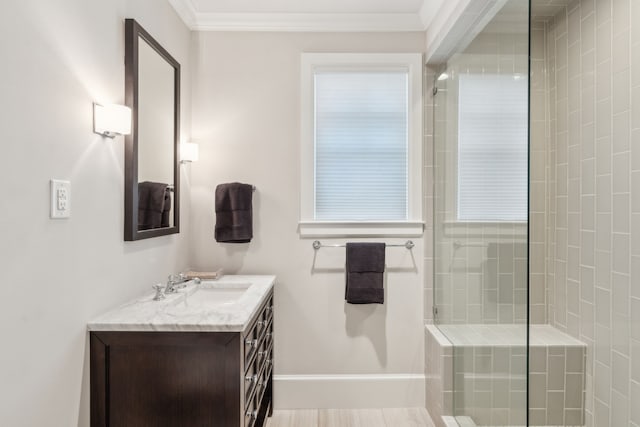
(60, 199)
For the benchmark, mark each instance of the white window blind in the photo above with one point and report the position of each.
(361, 143)
(492, 148)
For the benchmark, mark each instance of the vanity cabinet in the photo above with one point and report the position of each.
(217, 379)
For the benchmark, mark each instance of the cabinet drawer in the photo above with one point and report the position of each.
(260, 387)
(262, 353)
(251, 413)
(269, 363)
(251, 343)
(269, 336)
(250, 380)
(268, 309)
(258, 331)
(253, 406)
(265, 319)
(262, 326)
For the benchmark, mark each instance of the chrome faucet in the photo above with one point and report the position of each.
(178, 281)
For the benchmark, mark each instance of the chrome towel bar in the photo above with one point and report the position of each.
(317, 245)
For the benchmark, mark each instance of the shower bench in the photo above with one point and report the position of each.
(482, 368)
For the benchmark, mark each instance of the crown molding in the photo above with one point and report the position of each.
(186, 10)
(309, 22)
(297, 22)
(428, 11)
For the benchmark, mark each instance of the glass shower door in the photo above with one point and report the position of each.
(481, 118)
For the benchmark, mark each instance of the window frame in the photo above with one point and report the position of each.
(312, 62)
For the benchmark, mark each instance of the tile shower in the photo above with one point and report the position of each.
(551, 306)
(588, 60)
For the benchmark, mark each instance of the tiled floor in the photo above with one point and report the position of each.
(404, 417)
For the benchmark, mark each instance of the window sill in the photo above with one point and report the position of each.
(361, 229)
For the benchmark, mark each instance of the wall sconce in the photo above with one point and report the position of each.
(188, 152)
(111, 120)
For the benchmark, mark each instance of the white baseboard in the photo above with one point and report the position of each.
(348, 391)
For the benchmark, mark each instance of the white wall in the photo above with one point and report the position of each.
(246, 120)
(58, 57)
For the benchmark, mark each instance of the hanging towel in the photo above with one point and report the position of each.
(152, 204)
(234, 213)
(166, 213)
(365, 273)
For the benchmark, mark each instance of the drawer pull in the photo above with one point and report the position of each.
(262, 323)
(269, 362)
(251, 378)
(251, 414)
(251, 343)
(261, 353)
(269, 308)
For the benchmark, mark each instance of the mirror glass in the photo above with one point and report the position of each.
(155, 127)
(152, 190)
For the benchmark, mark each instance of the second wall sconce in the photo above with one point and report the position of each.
(111, 120)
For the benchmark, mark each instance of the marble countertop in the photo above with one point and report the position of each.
(186, 311)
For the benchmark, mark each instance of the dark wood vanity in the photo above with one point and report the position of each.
(190, 379)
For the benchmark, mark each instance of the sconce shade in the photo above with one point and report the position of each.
(189, 152)
(111, 120)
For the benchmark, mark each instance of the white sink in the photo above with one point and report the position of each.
(219, 295)
(213, 295)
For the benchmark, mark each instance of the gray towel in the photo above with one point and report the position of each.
(234, 213)
(365, 273)
(166, 213)
(153, 206)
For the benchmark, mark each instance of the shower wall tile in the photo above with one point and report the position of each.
(607, 247)
(539, 141)
(635, 397)
(621, 11)
(620, 337)
(619, 409)
(557, 385)
(635, 360)
(438, 375)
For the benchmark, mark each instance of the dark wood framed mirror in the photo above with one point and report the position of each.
(152, 174)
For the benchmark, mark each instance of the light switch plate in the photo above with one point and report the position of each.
(60, 199)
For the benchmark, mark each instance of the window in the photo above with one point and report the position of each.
(492, 148)
(361, 144)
